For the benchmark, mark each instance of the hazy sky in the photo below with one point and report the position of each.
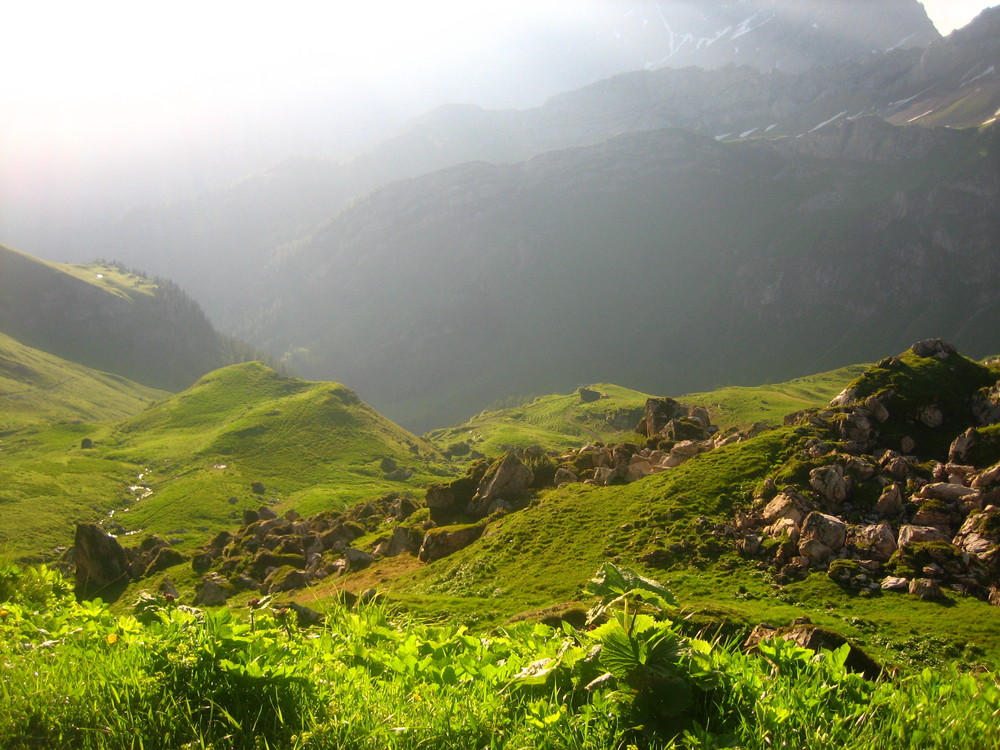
(107, 66)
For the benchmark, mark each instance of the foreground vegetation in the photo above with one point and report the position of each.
(77, 675)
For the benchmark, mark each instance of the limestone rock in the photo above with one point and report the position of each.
(894, 583)
(890, 503)
(949, 493)
(285, 578)
(789, 505)
(402, 540)
(357, 559)
(911, 534)
(830, 483)
(960, 446)
(874, 542)
(931, 416)
(828, 530)
(986, 405)
(659, 411)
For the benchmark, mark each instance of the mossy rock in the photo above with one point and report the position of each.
(909, 561)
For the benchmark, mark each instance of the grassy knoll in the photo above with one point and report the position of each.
(311, 446)
(565, 421)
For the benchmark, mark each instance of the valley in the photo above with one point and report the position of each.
(646, 398)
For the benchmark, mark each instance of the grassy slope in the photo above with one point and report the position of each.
(47, 406)
(561, 422)
(37, 387)
(544, 555)
(312, 445)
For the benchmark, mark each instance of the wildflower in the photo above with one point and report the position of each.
(4, 613)
(112, 639)
(169, 598)
(254, 603)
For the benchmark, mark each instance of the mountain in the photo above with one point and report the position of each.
(108, 318)
(653, 260)
(225, 239)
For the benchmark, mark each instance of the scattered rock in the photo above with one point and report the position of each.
(926, 588)
(213, 591)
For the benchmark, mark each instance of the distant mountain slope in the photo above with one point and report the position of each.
(36, 387)
(110, 319)
(657, 259)
(801, 63)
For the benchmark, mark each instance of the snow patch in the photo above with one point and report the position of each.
(914, 119)
(770, 127)
(832, 119)
(749, 132)
(989, 71)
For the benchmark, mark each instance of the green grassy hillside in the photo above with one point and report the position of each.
(312, 445)
(39, 387)
(186, 466)
(564, 421)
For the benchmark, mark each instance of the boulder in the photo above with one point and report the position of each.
(357, 559)
(830, 483)
(637, 470)
(100, 560)
(447, 540)
(285, 578)
(986, 479)
(931, 416)
(856, 428)
(213, 591)
(788, 505)
(659, 412)
(402, 540)
(960, 446)
(926, 588)
(895, 583)
(986, 405)
(816, 638)
(979, 536)
(307, 616)
(935, 347)
(874, 542)
(825, 529)
(166, 557)
(507, 479)
(912, 534)
(890, 503)
(785, 527)
(564, 476)
(945, 491)
(589, 395)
